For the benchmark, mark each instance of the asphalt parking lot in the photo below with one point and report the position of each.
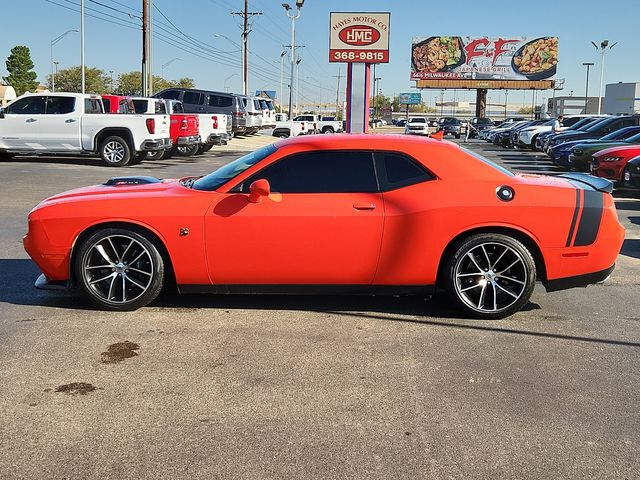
(243, 387)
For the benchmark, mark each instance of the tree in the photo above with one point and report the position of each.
(70, 80)
(130, 83)
(525, 110)
(19, 65)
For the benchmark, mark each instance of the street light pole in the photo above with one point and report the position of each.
(53, 42)
(281, 76)
(287, 7)
(82, 44)
(586, 89)
(603, 49)
(298, 85)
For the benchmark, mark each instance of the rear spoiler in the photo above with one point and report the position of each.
(597, 183)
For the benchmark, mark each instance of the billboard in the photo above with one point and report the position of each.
(411, 98)
(359, 37)
(484, 58)
(266, 94)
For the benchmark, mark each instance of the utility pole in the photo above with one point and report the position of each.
(339, 76)
(145, 46)
(245, 45)
(149, 56)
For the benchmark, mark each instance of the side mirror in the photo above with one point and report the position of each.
(258, 189)
(1, 112)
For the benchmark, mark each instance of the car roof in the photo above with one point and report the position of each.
(357, 141)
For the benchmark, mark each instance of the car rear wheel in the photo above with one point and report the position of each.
(119, 269)
(188, 151)
(157, 155)
(6, 155)
(115, 151)
(490, 276)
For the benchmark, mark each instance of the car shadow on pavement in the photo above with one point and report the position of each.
(631, 248)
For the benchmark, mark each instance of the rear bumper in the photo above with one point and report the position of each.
(188, 141)
(218, 138)
(155, 145)
(579, 280)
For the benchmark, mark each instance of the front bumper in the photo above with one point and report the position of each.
(188, 141)
(417, 132)
(155, 145)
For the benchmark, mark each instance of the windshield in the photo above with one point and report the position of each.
(450, 121)
(632, 139)
(483, 121)
(231, 170)
(488, 162)
(418, 120)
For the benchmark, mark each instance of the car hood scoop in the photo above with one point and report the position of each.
(122, 181)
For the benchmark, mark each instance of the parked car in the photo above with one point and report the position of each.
(205, 101)
(285, 127)
(527, 136)
(254, 113)
(544, 138)
(581, 153)
(312, 121)
(183, 128)
(401, 122)
(353, 186)
(597, 130)
(214, 129)
(502, 136)
(75, 124)
(453, 126)
(631, 174)
(611, 162)
(330, 125)
(268, 113)
(417, 126)
(478, 125)
(117, 104)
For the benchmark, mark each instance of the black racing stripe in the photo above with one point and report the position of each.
(574, 219)
(590, 220)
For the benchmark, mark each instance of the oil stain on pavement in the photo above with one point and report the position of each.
(76, 388)
(119, 352)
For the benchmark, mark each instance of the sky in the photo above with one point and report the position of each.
(190, 39)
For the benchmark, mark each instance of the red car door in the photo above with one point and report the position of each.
(322, 224)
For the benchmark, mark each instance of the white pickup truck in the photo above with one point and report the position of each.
(321, 124)
(215, 129)
(75, 124)
(283, 128)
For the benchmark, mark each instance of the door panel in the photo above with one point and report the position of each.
(60, 125)
(293, 238)
(20, 128)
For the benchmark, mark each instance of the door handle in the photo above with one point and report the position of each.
(31, 120)
(70, 120)
(364, 206)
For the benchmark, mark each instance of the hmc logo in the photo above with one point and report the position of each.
(359, 35)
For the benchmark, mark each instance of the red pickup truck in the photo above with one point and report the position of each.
(117, 104)
(184, 128)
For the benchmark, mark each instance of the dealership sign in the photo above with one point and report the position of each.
(484, 58)
(359, 37)
(411, 98)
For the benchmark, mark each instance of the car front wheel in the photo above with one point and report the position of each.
(490, 276)
(119, 269)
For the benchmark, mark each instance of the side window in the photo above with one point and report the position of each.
(140, 106)
(320, 172)
(220, 101)
(193, 98)
(160, 108)
(27, 106)
(397, 170)
(177, 108)
(256, 104)
(170, 95)
(93, 105)
(59, 105)
(107, 104)
(628, 122)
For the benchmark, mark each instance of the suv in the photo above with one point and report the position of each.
(478, 125)
(205, 101)
(254, 113)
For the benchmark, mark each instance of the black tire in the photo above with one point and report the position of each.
(492, 293)
(137, 158)
(533, 143)
(107, 287)
(457, 135)
(328, 130)
(115, 151)
(207, 147)
(6, 155)
(157, 155)
(188, 151)
(283, 133)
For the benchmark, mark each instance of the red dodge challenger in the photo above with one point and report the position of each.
(351, 213)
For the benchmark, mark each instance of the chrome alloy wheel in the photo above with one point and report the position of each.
(113, 152)
(118, 269)
(490, 277)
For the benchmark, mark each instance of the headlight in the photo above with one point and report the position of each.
(577, 151)
(611, 159)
